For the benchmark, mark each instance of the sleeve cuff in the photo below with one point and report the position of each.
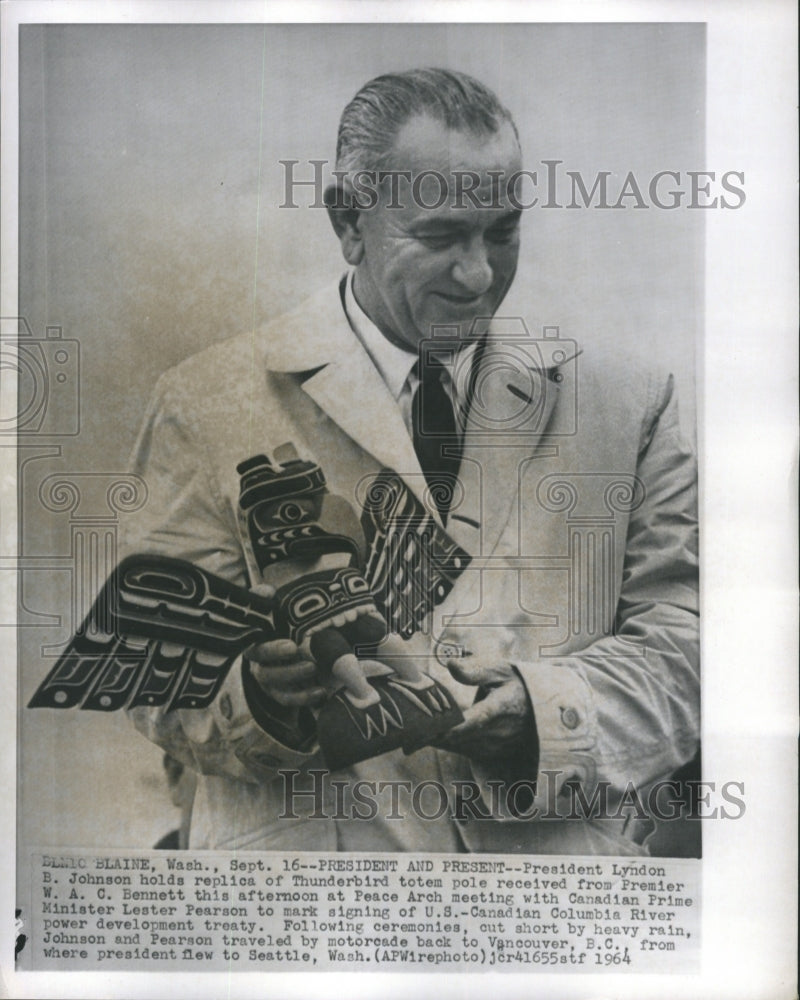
(561, 746)
(233, 729)
(565, 720)
(295, 730)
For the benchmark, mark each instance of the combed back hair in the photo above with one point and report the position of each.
(371, 121)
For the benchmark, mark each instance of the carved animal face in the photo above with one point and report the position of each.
(331, 598)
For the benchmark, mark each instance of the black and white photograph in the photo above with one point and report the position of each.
(358, 457)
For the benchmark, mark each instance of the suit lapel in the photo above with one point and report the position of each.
(353, 394)
(511, 409)
(345, 383)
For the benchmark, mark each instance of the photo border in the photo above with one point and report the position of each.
(747, 446)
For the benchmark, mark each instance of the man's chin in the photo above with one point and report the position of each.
(458, 313)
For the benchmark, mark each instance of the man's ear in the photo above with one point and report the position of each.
(345, 219)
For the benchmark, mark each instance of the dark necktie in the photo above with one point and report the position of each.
(434, 428)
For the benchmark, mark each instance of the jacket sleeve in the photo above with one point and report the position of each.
(625, 710)
(185, 516)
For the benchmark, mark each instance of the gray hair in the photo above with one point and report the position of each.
(371, 121)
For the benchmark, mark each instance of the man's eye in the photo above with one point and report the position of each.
(504, 234)
(437, 241)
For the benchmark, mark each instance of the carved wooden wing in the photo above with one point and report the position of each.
(412, 564)
(161, 632)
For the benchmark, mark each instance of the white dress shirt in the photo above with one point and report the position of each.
(396, 364)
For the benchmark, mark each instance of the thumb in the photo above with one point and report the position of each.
(482, 672)
(468, 671)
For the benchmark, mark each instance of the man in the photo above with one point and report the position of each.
(571, 639)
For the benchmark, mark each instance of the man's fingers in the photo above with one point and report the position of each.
(294, 685)
(476, 716)
(309, 698)
(491, 724)
(277, 651)
(467, 671)
(471, 730)
(479, 672)
(291, 675)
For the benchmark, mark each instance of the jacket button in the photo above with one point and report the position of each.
(448, 651)
(226, 707)
(570, 718)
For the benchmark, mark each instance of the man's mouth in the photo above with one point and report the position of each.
(461, 300)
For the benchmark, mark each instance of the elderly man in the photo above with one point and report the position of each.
(570, 640)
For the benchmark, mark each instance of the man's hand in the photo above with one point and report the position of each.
(499, 727)
(285, 674)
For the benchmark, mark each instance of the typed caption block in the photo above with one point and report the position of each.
(160, 911)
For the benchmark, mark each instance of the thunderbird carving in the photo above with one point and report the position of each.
(165, 632)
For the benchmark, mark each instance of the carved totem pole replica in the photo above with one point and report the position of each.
(164, 632)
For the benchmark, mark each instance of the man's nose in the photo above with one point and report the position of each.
(472, 269)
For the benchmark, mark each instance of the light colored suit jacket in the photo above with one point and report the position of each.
(578, 507)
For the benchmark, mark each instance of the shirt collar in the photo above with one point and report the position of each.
(393, 363)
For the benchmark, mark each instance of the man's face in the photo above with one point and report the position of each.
(424, 267)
